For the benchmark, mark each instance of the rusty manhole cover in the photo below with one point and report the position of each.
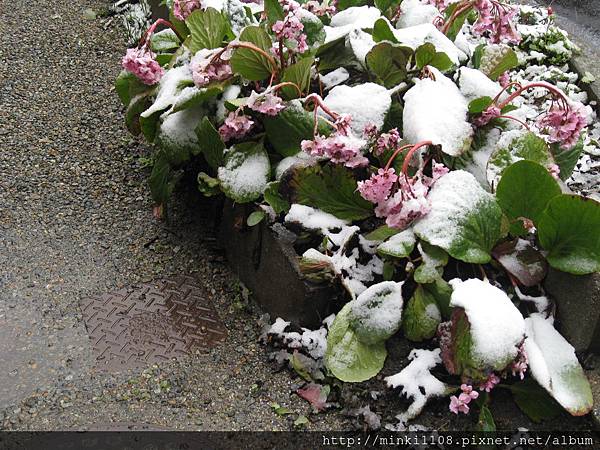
(150, 323)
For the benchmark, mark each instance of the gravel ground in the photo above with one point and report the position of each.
(75, 219)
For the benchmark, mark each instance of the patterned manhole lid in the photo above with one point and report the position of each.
(150, 323)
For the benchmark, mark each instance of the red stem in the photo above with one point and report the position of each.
(149, 31)
(396, 153)
(457, 12)
(551, 88)
(515, 119)
(411, 152)
(318, 101)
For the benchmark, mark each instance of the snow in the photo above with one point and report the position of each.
(554, 365)
(358, 16)
(169, 89)
(497, 326)
(335, 77)
(493, 172)
(474, 84)
(179, 128)
(289, 161)
(245, 174)
(541, 303)
(378, 309)
(313, 219)
(417, 381)
(216, 4)
(360, 43)
(366, 103)
(278, 327)
(436, 111)
(420, 34)
(416, 13)
(399, 244)
(230, 93)
(315, 342)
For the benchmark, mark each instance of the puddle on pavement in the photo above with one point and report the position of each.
(151, 323)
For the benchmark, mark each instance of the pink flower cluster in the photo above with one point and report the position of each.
(208, 69)
(439, 4)
(370, 131)
(409, 200)
(290, 29)
(141, 62)
(265, 103)
(490, 383)
(387, 141)
(490, 113)
(564, 124)
(236, 126)
(497, 19)
(460, 404)
(339, 148)
(504, 79)
(183, 8)
(519, 366)
(554, 170)
(321, 9)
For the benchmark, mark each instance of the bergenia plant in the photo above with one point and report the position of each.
(418, 159)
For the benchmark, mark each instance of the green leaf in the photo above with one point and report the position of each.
(290, 127)
(424, 54)
(382, 32)
(255, 218)
(388, 62)
(330, 188)
(432, 266)
(524, 191)
(245, 174)
(274, 198)
(477, 54)
(534, 401)
(400, 245)
(421, 316)
(313, 29)
(128, 86)
(298, 73)
(393, 119)
(208, 185)
(211, 144)
(479, 105)
(280, 410)
(568, 230)
(334, 54)
(347, 358)
(388, 271)
(554, 365)
(137, 106)
(200, 95)
(208, 29)
(251, 64)
(527, 146)
(464, 220)
(486, 420)
(458, 22)
(441, 61)
(522, 260)
(301, 421)
(164, 40)
(381, 233)
(274, 11)
(179, 25)
(385, 5)
(567, 159)
(495, 63)
(441, 292)
(161, 181)
(345, 4)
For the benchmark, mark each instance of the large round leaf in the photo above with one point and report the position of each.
(464, 220)
(524, 192)
(569, 230)
(347, 357)
(246, 172)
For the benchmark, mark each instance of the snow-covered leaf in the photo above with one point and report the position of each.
(497, 59)
(421, 316)
(441, 291)
(554, 365)
(327, 187)
(568, 230)
(164, 40)
(246, 172)
(274, 198)
(432, 266)
(464, 220)
(420, 34)
(400, 245)
(376, 315)
(522, 261)
(436, 111)
(417, 381)
(534, 400)
(347, 357)
(313, 28)
(524, 191)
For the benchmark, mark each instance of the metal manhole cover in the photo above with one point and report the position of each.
(150, 323)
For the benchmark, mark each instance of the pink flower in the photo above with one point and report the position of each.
(236, 126)
(457, 406)
(377, 188)
(460, 403)
(338, 148)
(407, 204)
(370, 131)
(342, 124)
(265, 103)
(140, 62)
(519, 366)
(504, 79)
(490, 383)
(290, 29)
(320, 9)
(554, 170)
(490, 113)
(496, 19)
(438, 171)
(564, 124)
(206, 69)
(439, 4)
(387, 141)
(183, 8)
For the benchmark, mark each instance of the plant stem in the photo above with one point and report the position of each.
(150, 31)
(396, 153)
(410, 153)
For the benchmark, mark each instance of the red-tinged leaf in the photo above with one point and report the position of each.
(523, 261)
(316, 395)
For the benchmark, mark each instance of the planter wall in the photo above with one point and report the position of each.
(265, 260)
